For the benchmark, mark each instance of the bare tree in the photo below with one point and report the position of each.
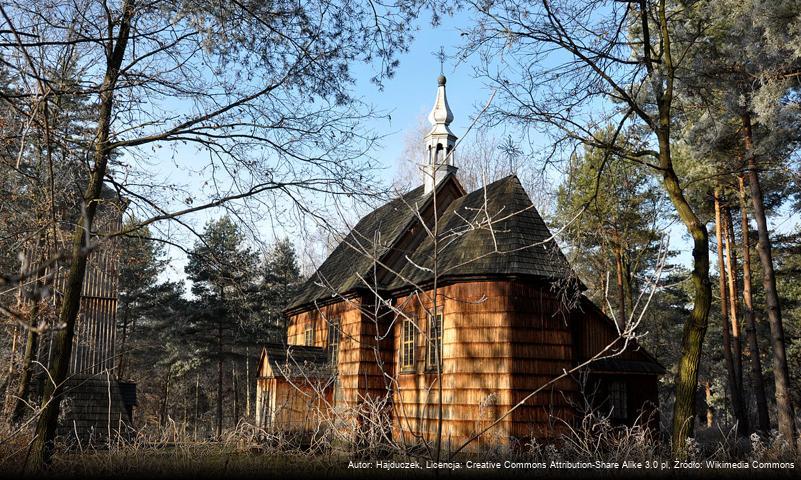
(572, 67)
(261, 91)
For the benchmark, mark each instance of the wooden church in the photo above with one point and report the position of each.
(452, 293)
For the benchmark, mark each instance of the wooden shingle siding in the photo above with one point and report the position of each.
(484, 373)
(502, 340)
(593, 331)
(292, 407)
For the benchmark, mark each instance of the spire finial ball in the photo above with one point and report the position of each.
(441, 80)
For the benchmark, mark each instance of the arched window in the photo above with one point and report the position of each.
(440, 154)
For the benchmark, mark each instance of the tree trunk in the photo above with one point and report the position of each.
(197, 404)
(219, 378)
(31, 345)
(734, 388)
(247, 382)
(757, 379)
(710, 412)
(42, 446)
(686, 379)
(166, 397)
(627, 286)
(12, 359)
(731, 272)
(781, 376)
(123, 354)
(603, 276)
(621, 289)
(31, 348)
(236, 392)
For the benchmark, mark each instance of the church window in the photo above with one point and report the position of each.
(408, 343)
(333, 340)
(434, 357)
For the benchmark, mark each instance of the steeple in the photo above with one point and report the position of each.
(439, 142)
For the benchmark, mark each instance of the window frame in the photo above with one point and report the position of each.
(308, 336)
(332, 348)
(408, 344)
(434, 341)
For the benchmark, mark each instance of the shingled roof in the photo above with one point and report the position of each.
(296, 361)
(618, 365)
(493, 231)
(371, 237)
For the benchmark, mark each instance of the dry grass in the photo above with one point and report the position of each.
(247, 451)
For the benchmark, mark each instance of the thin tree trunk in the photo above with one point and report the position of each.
(197, 396)
(185, 421)
(41, 448)
(757, 379)
(31, 348)
(12, 359)
(627, 287)
(731, 262)
(734, 388)
(247, 382)
(731, 272)
(14, 336)
(165, 400)
(603, 289)
(710, 412)
(621, 293)
(781, 376)
(20, 404)
(123, 353)
(236, 392)
(219, 378)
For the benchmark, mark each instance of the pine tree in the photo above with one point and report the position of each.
(141, 261)
(222, 271)
(617, 234)
(280, 284)
(749, 51)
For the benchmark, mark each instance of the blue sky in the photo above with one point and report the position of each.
(405, 98)
(411, 92)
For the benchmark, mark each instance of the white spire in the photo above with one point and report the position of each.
(441, 115)
(440, 140)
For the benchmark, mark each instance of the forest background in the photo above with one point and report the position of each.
(244, 144)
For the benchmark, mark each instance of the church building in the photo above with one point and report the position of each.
(450, 304)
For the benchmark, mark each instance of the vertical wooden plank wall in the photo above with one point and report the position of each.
(94, 346)
(501, 341)
(94, 343)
